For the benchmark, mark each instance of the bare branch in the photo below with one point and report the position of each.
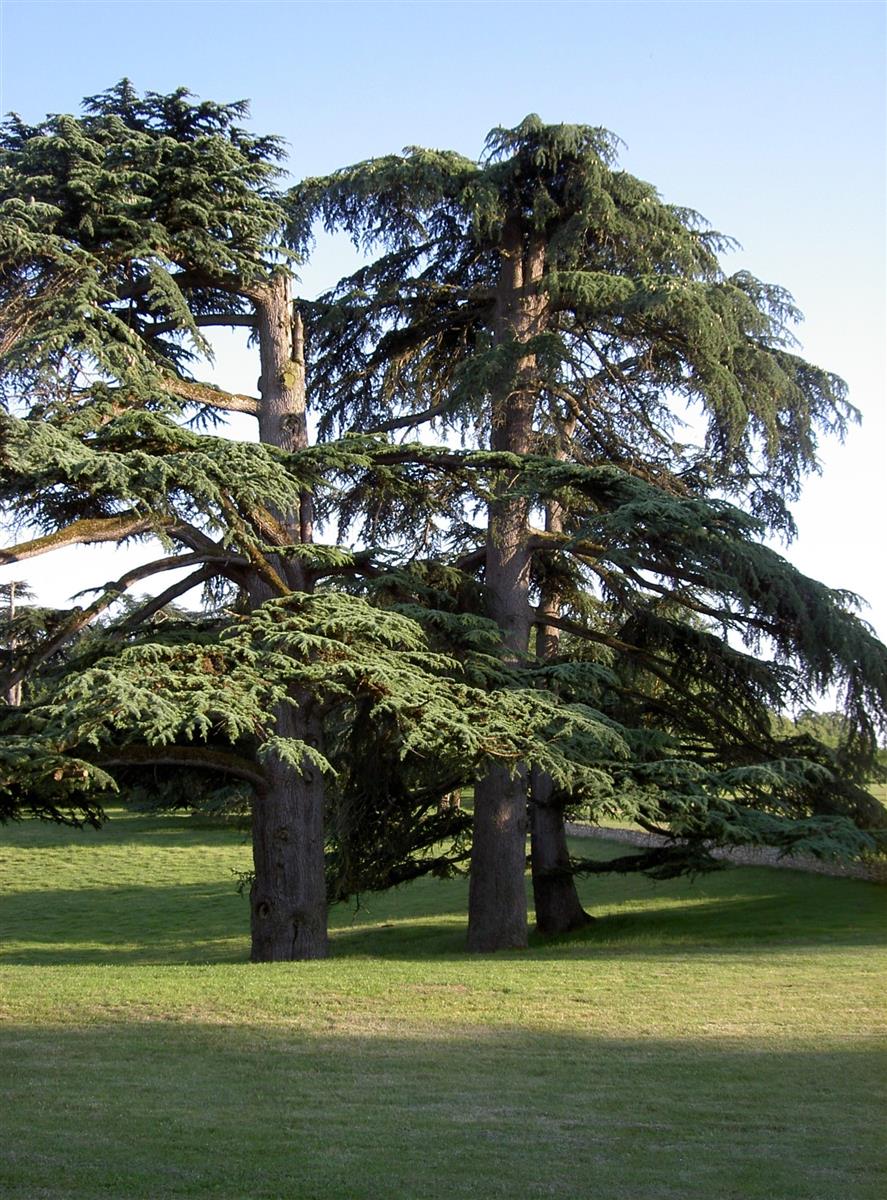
(156, 603)
(206, 393)
(195, 539)
(472, 560)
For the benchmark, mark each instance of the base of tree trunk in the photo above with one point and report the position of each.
(497, 894)
(281, 933)
(558, 908)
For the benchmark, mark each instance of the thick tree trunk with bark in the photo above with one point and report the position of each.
(557, 904)
(497, 895)
(497, 900)
(288, 896)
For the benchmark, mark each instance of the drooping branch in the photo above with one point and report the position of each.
(595, 635)
(81, 617)
(411, 419)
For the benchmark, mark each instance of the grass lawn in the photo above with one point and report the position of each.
(714, 1039)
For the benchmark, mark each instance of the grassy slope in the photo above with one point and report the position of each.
(714, 1039)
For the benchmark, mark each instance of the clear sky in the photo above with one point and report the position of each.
(769, 118)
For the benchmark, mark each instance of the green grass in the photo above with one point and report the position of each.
(714, 1039)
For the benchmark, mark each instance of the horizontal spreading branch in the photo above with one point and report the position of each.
(212, 397)
(81, 617)
(654, 663)
(205, 320)
(85, 531)
(201, 757)
(192, 278)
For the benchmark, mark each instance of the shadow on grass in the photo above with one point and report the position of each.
(209, 922)
(725, 926)
(128, 829)
(161, 1109)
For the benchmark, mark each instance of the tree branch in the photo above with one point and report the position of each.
(206, 393)
(193, 277)
(593, 635)
(202, 321)
(86, 531)
(257, 559)
(201, 757)
(410, 421)
(81, 617)
(172, 593)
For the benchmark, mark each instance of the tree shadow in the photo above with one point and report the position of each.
(165, 1109)
(209, 922)
(666, 931)
(128, 829)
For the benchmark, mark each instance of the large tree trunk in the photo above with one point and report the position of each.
(288, 896)
(497, 899)
(558, 908)
(497, 895)
(557, 904)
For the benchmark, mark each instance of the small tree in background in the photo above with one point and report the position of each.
(13, 594)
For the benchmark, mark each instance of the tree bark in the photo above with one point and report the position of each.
(14, 690)
(497, 898)
(556, 900)
(288, 896)
(558, 908)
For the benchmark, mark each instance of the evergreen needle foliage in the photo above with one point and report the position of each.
(549, 305)
(571, 605)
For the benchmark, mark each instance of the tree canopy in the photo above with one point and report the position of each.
(568, 612)
(546, 303)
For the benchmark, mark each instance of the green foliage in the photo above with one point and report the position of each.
(640, 321)
(126, 231)
(97, 212)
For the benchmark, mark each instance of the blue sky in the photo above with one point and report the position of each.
(769, 118)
